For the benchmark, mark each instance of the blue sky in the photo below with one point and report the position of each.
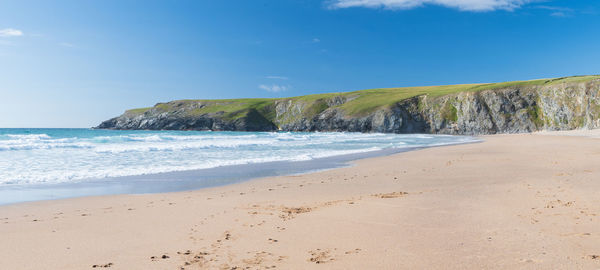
(76, 63)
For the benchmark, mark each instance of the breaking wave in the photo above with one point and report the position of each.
(30, 156)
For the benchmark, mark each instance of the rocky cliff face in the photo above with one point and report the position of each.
(516, 109)
(173, 121)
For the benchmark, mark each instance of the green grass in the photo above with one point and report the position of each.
(373, 99)
(138, 111)
(360, 102)
(536, 114)
(449, 112)
(231, 108)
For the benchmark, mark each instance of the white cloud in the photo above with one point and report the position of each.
(277, 77)
(316, 40)
(274, 88)
(10, 32)
(464, 5)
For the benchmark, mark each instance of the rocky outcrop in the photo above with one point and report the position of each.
(513, 109)
(159, 118)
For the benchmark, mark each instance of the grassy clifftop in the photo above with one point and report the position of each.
(357, 103)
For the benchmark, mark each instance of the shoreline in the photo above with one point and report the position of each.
(525, 201)
(188, 180)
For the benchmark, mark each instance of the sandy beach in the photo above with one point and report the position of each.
(526, 201)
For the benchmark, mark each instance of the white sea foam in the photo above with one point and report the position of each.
(77, 155)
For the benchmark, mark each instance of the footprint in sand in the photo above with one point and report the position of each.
(164, 257)
(390, 195)
(354, 251)
(108, 265)
(198, 259)
(553, 204)
(187, 252)
(291, 212)
(319, 256)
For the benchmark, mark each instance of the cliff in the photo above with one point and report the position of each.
(512, 107)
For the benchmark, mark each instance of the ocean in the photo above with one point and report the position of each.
(34, 159)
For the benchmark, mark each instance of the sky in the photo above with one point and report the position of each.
(76, 63)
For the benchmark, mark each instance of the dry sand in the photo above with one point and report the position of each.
(511, 202)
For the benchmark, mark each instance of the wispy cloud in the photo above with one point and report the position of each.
(10, 32)
(66, 44)
(463, 5)
(277, 77)
(316, 40)
(558, 11)
(274, 88)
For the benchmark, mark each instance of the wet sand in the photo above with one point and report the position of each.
(511, 202)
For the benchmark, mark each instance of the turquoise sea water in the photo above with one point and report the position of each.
(47, 156)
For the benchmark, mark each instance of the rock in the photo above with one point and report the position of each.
(513, 109)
